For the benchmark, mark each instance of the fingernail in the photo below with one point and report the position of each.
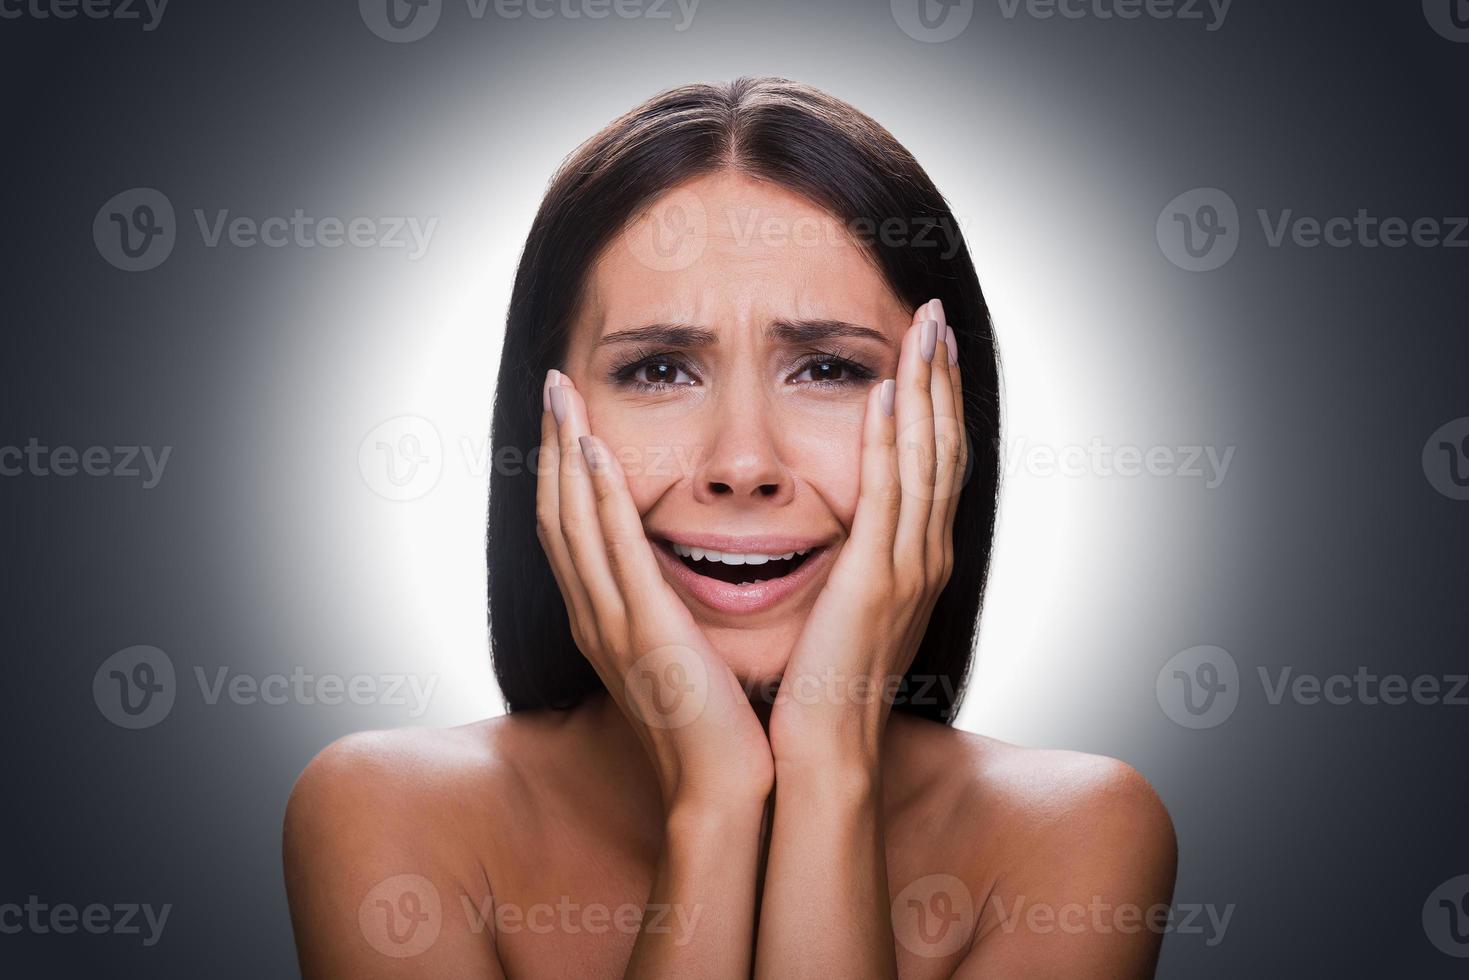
(936, 310)
(553, 377)
(952, 344)
(885, 396)
(591, 452)
(928, 339)
(558, 403)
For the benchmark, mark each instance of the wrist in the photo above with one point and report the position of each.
(838, 773)
(812, 743)
(698, 820)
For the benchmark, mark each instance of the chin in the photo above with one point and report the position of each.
(757, 657)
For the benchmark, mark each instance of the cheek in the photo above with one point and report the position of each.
(653, 457)
(824, 452)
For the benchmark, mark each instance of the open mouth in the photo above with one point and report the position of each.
(739, 568)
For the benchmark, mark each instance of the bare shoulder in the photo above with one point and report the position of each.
(1036, 805)
(385, 828)
(1068, 859)
(381, 772)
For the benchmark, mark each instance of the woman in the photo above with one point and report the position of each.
(759, 366)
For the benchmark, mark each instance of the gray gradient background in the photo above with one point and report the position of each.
(1059, 142)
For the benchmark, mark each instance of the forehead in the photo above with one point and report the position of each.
(731, 252)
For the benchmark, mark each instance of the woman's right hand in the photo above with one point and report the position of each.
(689, 710)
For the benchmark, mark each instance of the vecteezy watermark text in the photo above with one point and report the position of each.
(403, 916)
(124, 462)
(149, 12)
(1200, 230)
(1201, 687)
(136, 230)
(1099, 459)
(1101, 917)
(405, 21)
(64, 918)
(136, 688)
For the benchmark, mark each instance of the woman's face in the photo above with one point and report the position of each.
(725, 348)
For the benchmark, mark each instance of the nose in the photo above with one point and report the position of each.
(743, 463)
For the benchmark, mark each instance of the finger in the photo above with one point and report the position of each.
(879, 492)
(629, 555)
(915, 447)
(548, 512)
(578, 506)
(948, 427)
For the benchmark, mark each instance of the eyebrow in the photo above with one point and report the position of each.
(786, 331)
(810, 331)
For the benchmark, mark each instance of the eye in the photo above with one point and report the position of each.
(655, 371)
(829, 369)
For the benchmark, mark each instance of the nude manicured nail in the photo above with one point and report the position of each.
(936, 310)
(885, 396)
(553, 378)
(928, 339)
(558, 403)
(591, 452)
(952, 344)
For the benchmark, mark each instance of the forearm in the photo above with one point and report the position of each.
(700, 917)
(824, 911)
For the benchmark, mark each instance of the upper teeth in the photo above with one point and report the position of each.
(731, 557)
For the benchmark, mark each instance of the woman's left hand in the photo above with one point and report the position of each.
(865, 628)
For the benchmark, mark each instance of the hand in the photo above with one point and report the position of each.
(867, 623)
(680, 697)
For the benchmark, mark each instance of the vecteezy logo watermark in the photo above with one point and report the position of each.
(934, 916)
(401, 21)
(674, 231)
(136, 688)
(667, 687)
(932, 21)
(1446, 459)
(1199, 229)
(63, 918)
(402, 458)
(401, 916)
(1450, 18)
(150, 12)
(136, 230)
(35, 459)
(671, 233)
(1199, 687)
(1446, 917)
(1105, 918)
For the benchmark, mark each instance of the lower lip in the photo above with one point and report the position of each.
(730, 598)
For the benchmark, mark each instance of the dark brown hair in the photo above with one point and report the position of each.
(815, 145)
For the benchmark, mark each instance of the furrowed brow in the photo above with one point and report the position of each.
(811, 331)
(661, 335)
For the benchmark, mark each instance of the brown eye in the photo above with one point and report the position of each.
(828, 371)
(658, 373)
(654, 372)
(832, 371)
